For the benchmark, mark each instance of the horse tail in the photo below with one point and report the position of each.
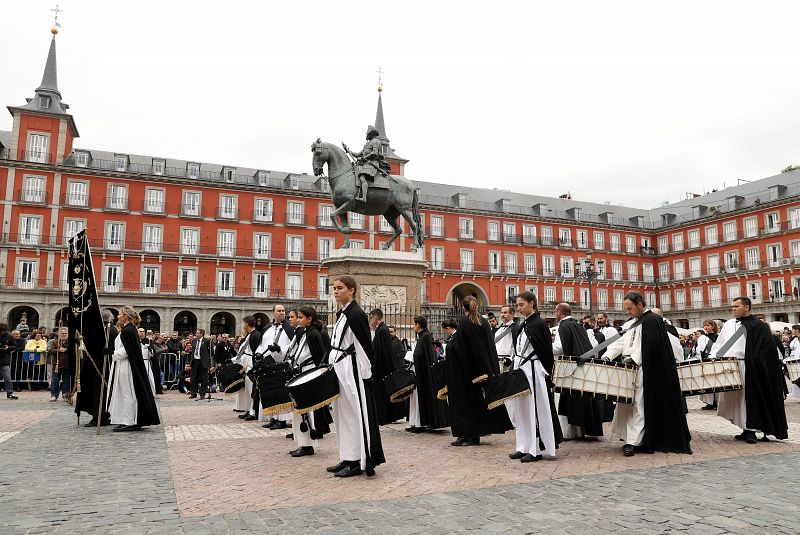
(417, 218)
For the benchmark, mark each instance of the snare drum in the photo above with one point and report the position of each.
(708, 376)
(271, 382)
(399, 385)
(596, 378)
(313, 389)
(505, 387)
(793, 367)
(230, 378)
(439, 372)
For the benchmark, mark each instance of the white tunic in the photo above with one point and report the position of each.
(347, 413)
(731, 405)
(794, 347)
(505, 346)
(122, 404)
(244, 401)
(628, 422)
(275, 335)
(525, 411)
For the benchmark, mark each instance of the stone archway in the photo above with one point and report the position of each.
(185, 322)
(461, 290)
(62, 317)
(18, 313)
(262, 320)
(114, 313)
(151, 320)
(223, 323)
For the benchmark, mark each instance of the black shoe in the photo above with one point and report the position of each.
(305, 450)
(710, 408)
(265, 426)
(291, 436)
(192, 396)
(750, 437)
(11, 396)
(349, 471)
(764, 438)
(337, 467)
(414, 429)
(250, 418)
(243, 416)
(458, 442)
(516, 455)
(237, 410)
(528, 458)
(92, 423)
(294, 451)
(740, 436)
(279, 425)
(472, 442)
(125, 428)
(628, 450)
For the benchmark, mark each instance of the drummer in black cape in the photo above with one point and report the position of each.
(656, 420)
(472, 358)
(308, 353)
(579, 416)
(426, 411)
(357, 432)
(382, 365)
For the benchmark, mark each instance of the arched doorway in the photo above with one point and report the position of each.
(460, 291)
(62, 317)
(223, 323)
(17, 314)
(114, 313)
(151, 320)
(185, 323)
(262, 320)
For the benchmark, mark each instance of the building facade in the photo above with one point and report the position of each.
(196, 244)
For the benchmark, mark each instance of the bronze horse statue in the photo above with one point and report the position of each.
(401, 199)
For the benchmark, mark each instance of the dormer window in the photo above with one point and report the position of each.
(120, 163)
(158, 167)
(44, 102)
(227, 174)
(192, 170)
(384, 149)
(81, 159)
(325, 187)
(263, 177)
(294, 182)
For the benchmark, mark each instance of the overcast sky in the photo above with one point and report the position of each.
(622, 101)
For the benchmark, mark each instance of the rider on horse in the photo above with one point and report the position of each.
(369, 162)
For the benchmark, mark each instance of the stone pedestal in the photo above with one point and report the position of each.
(391, 280)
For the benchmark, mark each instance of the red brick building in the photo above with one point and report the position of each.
(194, 243)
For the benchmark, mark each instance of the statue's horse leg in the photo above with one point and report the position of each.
(341, 214)
(391, 216)
(412, 225)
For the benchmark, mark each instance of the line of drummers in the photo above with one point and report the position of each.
(549, 387)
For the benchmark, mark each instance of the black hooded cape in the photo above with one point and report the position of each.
(764, 383)
(471, 353)
(147, 412)
(588, 413)
(665, 427)
(537, 331)
(433, 412)
(358, 322)
(383, 365)
(320, 345)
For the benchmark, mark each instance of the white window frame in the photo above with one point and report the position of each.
(191, 246)
(294, 212)
(77, 198)
(190, 274)
(156, 281)
(30, 229)
(34, 189)
(158, 167)
(191, 209)
(77, 225)
(598, 239)
(324, 247)
(529, 261)
(437, 226)
(437, 258)
(262, 245)
(112, 243)
(678, 270)
(117, 196)
(495, 265)
(467, 260)
(120, 163)
(27, 273)
(109, 285)
(38, 147)
(154, 200)
(262, 209)
(152, 238)
(510, 263)
(259, 289)
(630, 243)
(293, 253)
(228, 206)
(729, 231)
(567, 265)
(548, 265)
(693, 237)
(225, 282)
(466, 228)
(633, 271)
(294, 291)
(226, 243)
(677, 242)
(750, 227)
(192, 170)
(614, 242)
(712, 236)
(493, 231)
(81, 159)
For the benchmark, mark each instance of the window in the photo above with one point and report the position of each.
(225, 239)
(733, 291)
(120, 163)
(44, 102)
(294, 216)
(494, 262)
(581, 239)
(323, 285)
(712, 264)
(111, 279)
(325, 248)
(263, 210)
(633, 271)
(263, 178)
(731, 261)
(33, 189)
(227, 207)
(772, 222)
(437, 258)
(647, 272)
(356, 220)
(72, 227)
(614, 240)
(619, 298)
(666, 300)
(529, 233)
(729, 229)
(530, 264)
(602, 299)
(568, 294)
(81, 159)
(192, 170)
(37, 148)
(751, 256)
(694, 238)
(150, 279)
(509, 231)
(190, 239)
(678, 270)
(754, 291)
(262, 245)
(383, 224)
(467, 260)
(187, 281)
(494, 231)
(228, 174)
(117, 197)
(547, 236)
(663, 247)
(294, 182)
(152, 238)
(750, 227)
(697, 298)
(599, 241)
(294, 285)
(64, 275)
(115, 235)
(663, 272)
(27, 273)
(294, 248)
(191, 203)
(549, 294)
(437, 226)
(565, 237)
(357, 244)
(680, 299)
(225, 283)
(567, 266)
(616, 270)
(677, 242)
(694, 267)
(630, 244)
(510, 260)
(77, 193)
(260, 284)
(794, 218)
(154, 200)
(465, 228)
(548, 266)
(158, 167)
(711, 235)
(512, 290)
(715, 296)
(30, 229)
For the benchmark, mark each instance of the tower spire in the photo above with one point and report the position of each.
(50, 75)
(396, 162)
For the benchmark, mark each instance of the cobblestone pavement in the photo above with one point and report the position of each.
(205, 471)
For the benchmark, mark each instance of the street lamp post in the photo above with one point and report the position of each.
(590, 273)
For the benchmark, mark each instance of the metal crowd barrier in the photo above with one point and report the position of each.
(28, 367)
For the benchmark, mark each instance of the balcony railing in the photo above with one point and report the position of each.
(153, 207)
(191, 210)
(33, 156)
(74, 200)
(513, 239)
(32, 196)
(227, 214)
(116, 204)
(292, 218)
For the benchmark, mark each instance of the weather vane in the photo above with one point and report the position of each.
(380, 80)
(56, 24)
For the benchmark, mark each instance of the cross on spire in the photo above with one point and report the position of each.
(56, 24)
(380, 79)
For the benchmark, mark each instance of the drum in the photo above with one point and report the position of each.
(708, 376)
(505, 387)
(313, 389)
(399, 385)
(596, 378)
(439, 372)
(230, 378)
(271, 382)
(793, 367)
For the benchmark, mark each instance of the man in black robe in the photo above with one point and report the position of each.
(584, 416)
(88, 399)
(428, 411)
(383, 365)
(398, 349)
